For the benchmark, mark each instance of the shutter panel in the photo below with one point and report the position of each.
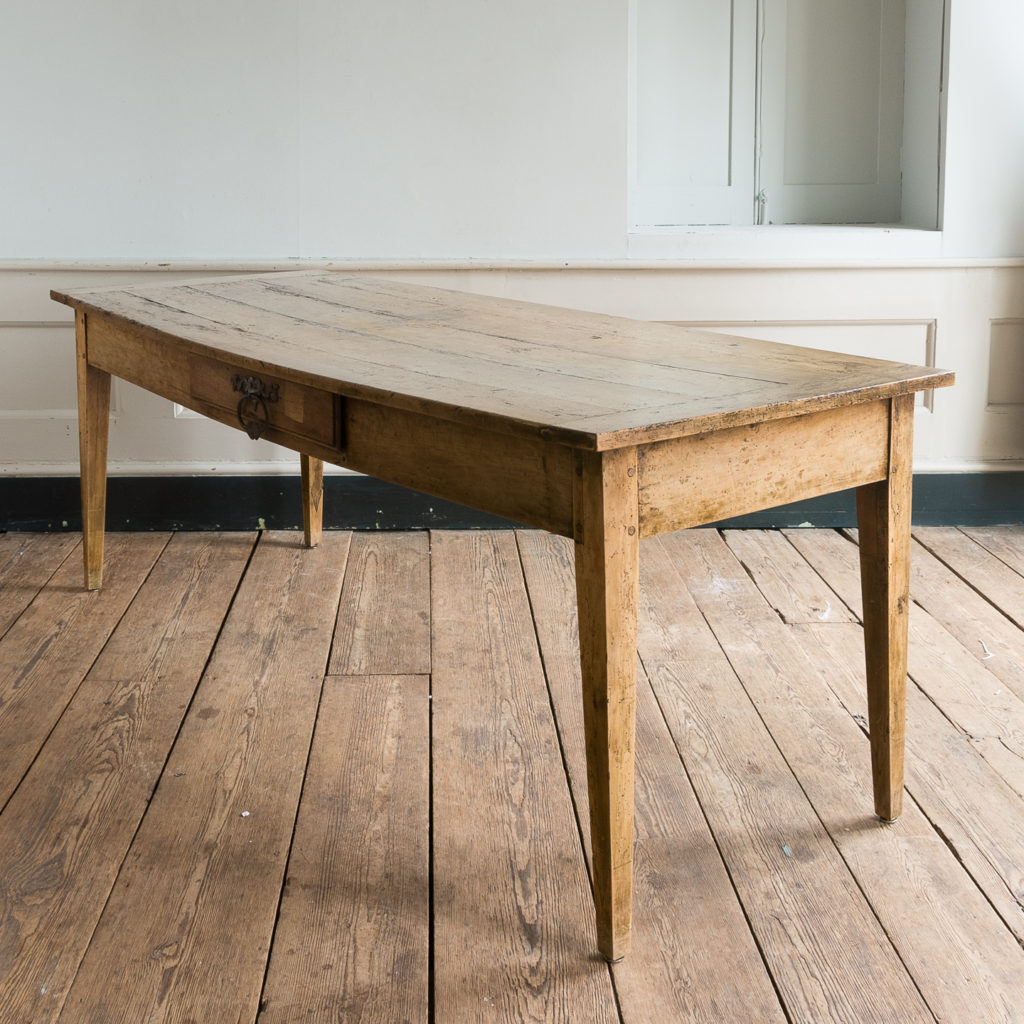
(831, 117)
(693, 86)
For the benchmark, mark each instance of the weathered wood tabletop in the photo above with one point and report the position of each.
(582, 379)
(599, 428)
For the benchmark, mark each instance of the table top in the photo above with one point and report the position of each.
(582, 379)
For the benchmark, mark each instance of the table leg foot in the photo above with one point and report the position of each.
(312, 500)
(883, 518)
(607, 534)
(93, 432)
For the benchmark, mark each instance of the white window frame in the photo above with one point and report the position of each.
(667, 225)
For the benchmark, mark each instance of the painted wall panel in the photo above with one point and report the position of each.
(37, 377)
(251, 128)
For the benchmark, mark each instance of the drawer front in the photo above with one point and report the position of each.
(265, 405)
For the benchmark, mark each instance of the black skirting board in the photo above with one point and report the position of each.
(362, 503)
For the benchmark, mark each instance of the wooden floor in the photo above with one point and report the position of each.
(248, 782)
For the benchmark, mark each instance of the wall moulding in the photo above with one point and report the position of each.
(156, 264)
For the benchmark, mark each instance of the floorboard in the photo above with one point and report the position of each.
(46, 654)
(210, 855)
(27, 561)
(828, 953)
(994, 575)
(254, 783)
(682, 888)
(353, 939)
(514, 933)
(65, 831)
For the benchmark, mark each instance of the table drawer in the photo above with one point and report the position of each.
(265, 405)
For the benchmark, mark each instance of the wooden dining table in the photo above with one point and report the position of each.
(602, 429)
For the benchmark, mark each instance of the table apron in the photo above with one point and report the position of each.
(299, 416)
(702, 478)
(525, 479)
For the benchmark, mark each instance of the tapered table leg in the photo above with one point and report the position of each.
(312, 499)
(883, 518)
(93, 431)
(607, 536)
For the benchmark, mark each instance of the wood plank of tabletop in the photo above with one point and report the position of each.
(64, 833)
(828, 955)
(480, 360)
(47, 652)
(352, 941)
(208, 860)
(681, 889)
(383, 623)
(928, 905)
(27, 561)
(615, 348)
(514, 934)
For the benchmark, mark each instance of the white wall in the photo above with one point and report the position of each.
(214, 135)
(261, 128)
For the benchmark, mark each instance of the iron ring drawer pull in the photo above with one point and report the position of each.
(253, 414)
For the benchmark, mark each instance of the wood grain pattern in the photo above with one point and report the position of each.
(158, 362)
(211, 853)
(607, 579)
(839, 552)
(764, 884)
(785, 579)
(93, 433)
(701, 478)
(524, 479)
(513, 924)
(985, 571)
(934, 914)
(482, 401)
(61, 845)
(383, 623)
(829, 956)
(883, 523)
(668, 975)
(973, 699)
(27, 561)
(966, 786)
(311, 473)
(509, 366)
(45, 655)
(295, 410)
(1005, 542)
(352, 940)
(991, 638)
(977, 702)
(977, 814)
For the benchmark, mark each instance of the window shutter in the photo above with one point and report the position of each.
(693, 112)
(831, 114)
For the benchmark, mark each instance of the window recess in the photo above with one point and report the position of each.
(786, 112)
